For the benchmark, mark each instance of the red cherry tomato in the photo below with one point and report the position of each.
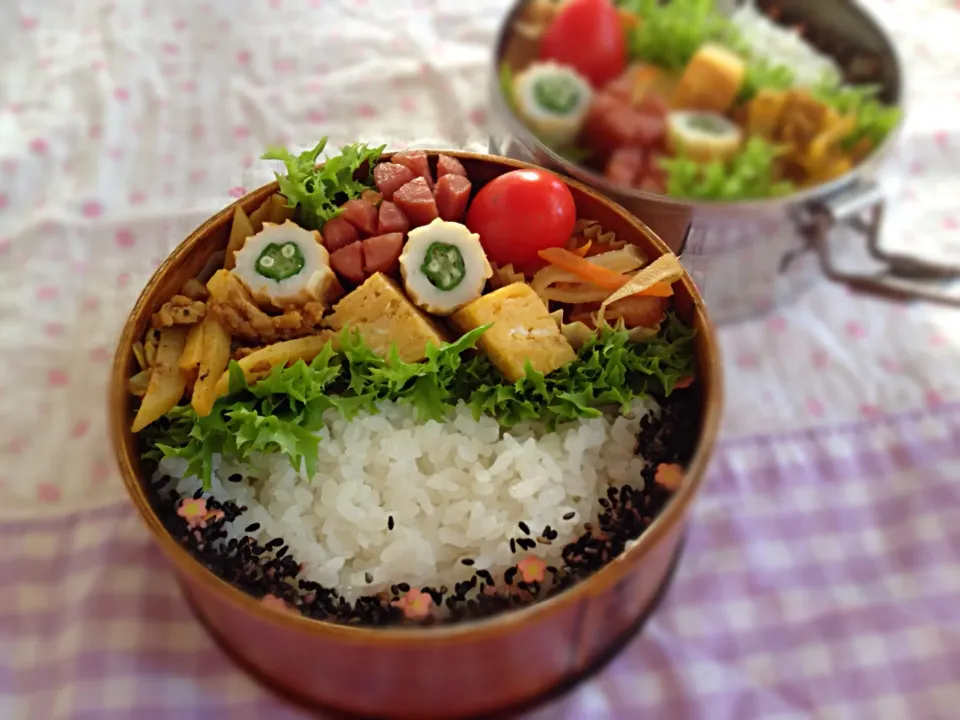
(520, 213)
(587, 36)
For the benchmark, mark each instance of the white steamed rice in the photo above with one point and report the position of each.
(455, 490)
(785, 46)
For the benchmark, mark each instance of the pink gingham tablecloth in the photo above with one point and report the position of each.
(821, 576)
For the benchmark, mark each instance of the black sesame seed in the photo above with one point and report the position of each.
(467, 561)
(235, 478)
(390, 523)
(523, 526)
(626, 514)
(368, 577)
(252, 528)
(403, 587)
(198, 494)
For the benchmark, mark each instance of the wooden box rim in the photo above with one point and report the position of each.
(435, 636)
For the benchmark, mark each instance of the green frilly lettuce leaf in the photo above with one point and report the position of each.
(283, 412)
(318, 193)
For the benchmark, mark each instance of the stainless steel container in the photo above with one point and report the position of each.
(749, 257)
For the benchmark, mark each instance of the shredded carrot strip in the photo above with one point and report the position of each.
(584, 269)
(596, 274)
(583, 249)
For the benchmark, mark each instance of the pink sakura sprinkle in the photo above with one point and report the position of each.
(669, 475)
(194, 511)
(416, 604)
(275, 603)
(532, 569)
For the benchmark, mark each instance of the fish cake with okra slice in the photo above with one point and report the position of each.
(285, 265)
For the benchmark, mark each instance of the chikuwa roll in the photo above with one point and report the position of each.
(444, 267)
(284, 265)
(703, 136)
(554, 100)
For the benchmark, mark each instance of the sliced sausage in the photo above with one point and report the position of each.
(653, 185)
(362, 214)
(654, 104)
(654, 177)
(372, 196)
(338, 233)
(447, 165)
(390, 177)
(347, 262)
(584, 312)
(612, 124)
(392, 219)
(416, 201)
(452, 195)
(636, 311)
(623, 87)
(648, 129)
(607, 126)
(416, 160)
(626, 165)
(382, 253)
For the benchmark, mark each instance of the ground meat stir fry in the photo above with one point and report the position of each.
(179, 310)
(247, 322)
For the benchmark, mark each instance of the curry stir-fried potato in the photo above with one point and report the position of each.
(215, 319)
(192, 336)
(809, 133)
(260, 363)
(167, 380)
(214, 358)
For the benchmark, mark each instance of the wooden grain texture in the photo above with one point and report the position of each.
(452, 671)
